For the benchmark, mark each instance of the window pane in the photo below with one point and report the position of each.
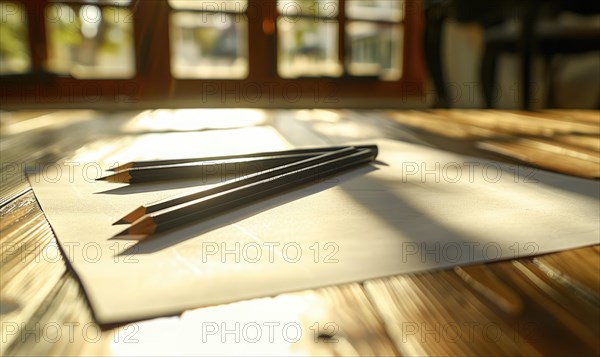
(209, 45)
(99, 2)
(210, 5)
(375, 49)
(308, 47)
(319, 8)
(14, 44)
(90, 42)
(385, 10)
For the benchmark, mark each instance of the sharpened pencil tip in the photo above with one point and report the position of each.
(121, 221)
(132, 233)
(129, 234)
(121, 167)
(122, 233)
(132, 216)
(118, 177)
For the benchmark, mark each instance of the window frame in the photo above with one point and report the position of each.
(154, 86)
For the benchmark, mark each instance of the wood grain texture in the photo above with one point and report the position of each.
(356, 328)
(439, 314)
(545, 305)
(559, 160)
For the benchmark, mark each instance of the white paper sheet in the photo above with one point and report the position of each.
(417, 209)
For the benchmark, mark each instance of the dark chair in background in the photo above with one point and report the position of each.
(537, 33)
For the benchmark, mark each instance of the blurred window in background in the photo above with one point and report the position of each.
(309, 43)
(377, 10)
(308, 38)
(375, 38)
(90, 39)
(14, 42)
(209, 39)
(228, 52)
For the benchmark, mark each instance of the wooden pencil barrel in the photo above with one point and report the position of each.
(187, 197)
(211, 205)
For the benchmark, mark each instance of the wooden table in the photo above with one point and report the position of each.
(548, 305)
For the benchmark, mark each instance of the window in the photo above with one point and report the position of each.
(90, 41)
(308, 38)
(14, 43)
(209, 39)
(374, 36)
(309, 43)
(210, 53)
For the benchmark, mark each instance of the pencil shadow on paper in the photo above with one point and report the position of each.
(416, 225)
(159, 186)
(165, 240)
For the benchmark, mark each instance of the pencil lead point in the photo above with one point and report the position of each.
(121, 167)
(120, 221)
(118, 177)
(122, 233)
(132, 216)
